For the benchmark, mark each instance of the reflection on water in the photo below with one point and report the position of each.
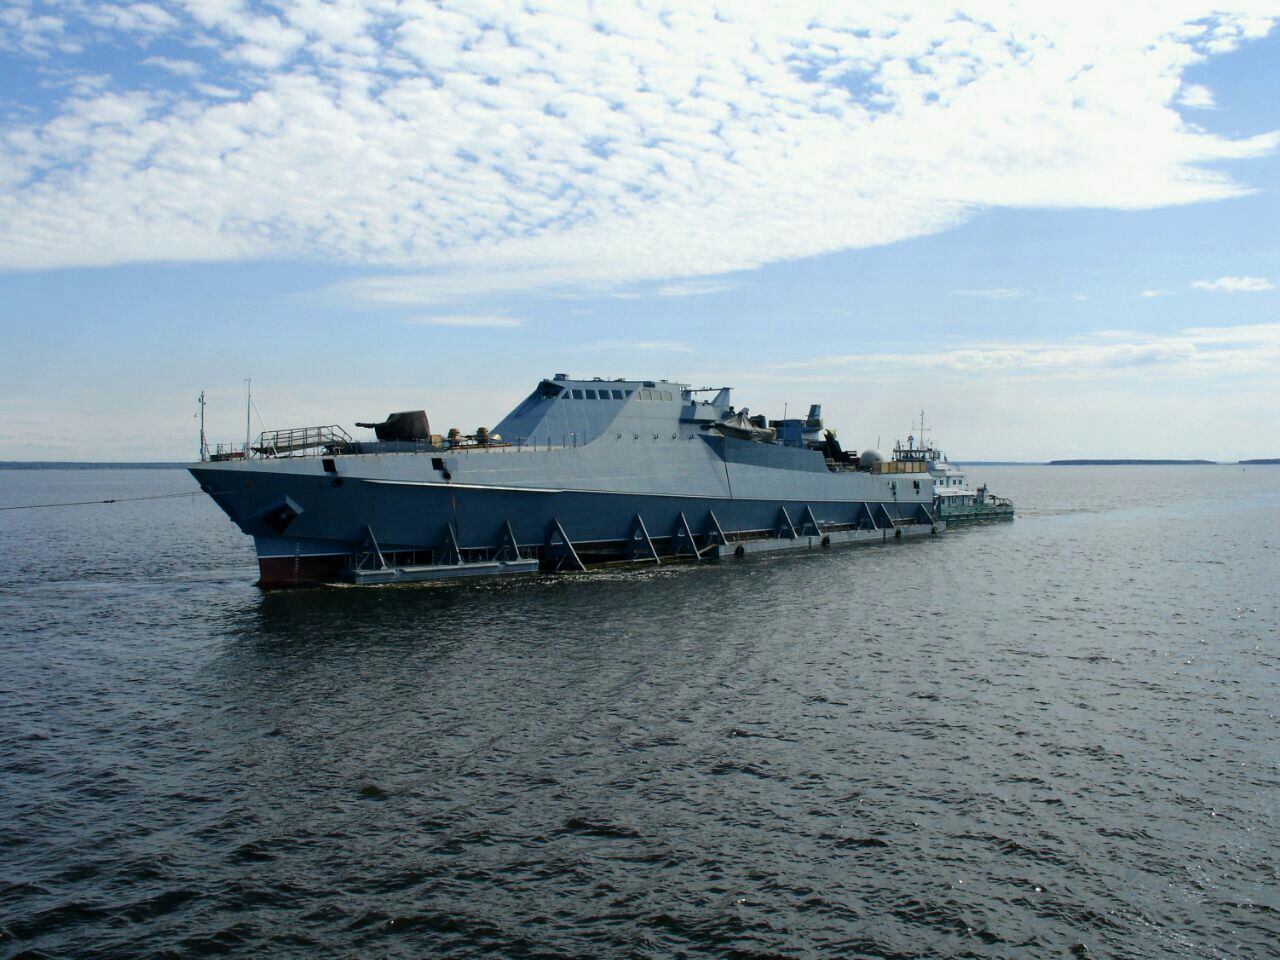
(1039, 738)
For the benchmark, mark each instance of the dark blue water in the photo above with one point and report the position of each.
(1056, 737)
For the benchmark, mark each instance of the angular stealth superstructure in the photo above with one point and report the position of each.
(582, 471)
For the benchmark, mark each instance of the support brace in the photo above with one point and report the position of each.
(640, 546)
(871, 517)
(369, 550)
(785, 529)
(809, 525)
(713, 536)
(509, 548)
(682, 541)
(560, 549)
(452, 552)
(888, 520)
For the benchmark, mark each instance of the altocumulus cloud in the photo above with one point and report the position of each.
(502, 149)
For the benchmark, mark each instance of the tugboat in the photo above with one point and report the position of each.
(957, 502)
(581, 472)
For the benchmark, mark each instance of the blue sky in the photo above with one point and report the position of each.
(1055, 231)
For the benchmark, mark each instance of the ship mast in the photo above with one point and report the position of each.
(248, 406)
(204, 447)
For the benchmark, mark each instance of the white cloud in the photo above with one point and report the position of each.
(138, 18)
(996, 293)
(658, 346)
(1235, 284)
(1206, 351)
(1196, 96)
(215, 92)
(183, 68)
(38, 35)
(684, 288)
(467, 320)
(695, 288)
(507, 150)
(1156, 293)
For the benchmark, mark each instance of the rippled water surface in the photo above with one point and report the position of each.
(1056, 737)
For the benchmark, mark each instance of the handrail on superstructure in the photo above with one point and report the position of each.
(295, 441)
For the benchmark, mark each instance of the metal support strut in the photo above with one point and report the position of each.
(885, 512)
(452, 552)
(640, 546)
(809, 525)
(560, 549)
(713, 537)
(369, 550)
(682, 540)
(509, 547)
(871, 517)
(785, 529)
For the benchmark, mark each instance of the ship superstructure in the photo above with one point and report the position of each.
(580, 472)
(957, 501)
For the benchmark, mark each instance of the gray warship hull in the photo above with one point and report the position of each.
(618, 477)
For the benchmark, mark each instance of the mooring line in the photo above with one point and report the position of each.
(86, 503)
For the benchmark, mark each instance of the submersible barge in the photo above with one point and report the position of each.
(581, 472)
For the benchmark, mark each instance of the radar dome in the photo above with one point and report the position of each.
(871, 457)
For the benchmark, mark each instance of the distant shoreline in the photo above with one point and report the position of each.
(1131, 463)
(87, 465)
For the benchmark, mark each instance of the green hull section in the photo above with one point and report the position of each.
(977, 513)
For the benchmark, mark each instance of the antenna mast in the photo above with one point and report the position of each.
(204, 447)
(248, 406)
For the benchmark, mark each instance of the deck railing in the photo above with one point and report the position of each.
(300, 441)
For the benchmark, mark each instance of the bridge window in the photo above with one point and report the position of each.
(577, 394)
(617, 394)
(591, 394)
